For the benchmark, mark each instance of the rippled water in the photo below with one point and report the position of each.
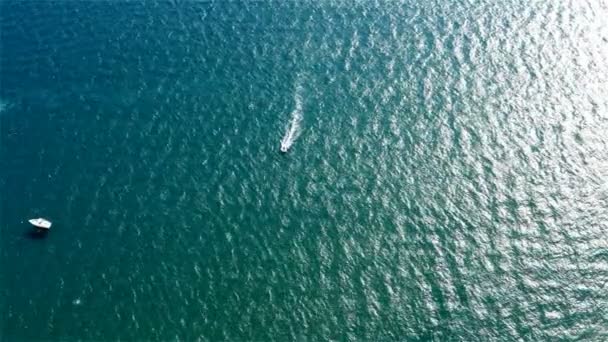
(449, 181)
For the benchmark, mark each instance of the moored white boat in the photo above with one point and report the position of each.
(41, 223)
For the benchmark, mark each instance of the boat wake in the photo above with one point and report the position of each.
(293, 129)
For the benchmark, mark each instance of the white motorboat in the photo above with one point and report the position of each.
(41, 223)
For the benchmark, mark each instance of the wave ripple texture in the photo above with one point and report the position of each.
(450, 182)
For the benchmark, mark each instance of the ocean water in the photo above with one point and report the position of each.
(447, 176)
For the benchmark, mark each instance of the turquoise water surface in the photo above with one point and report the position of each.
(446, 179)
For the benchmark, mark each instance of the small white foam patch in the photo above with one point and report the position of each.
(5, 105)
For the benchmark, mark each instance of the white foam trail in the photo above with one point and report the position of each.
(293, 129)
